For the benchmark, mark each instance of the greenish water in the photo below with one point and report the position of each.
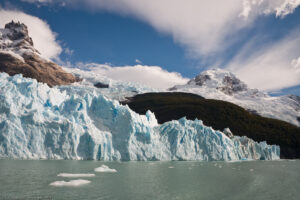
(152, 180)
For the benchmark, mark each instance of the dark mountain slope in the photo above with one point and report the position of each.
(220, 115)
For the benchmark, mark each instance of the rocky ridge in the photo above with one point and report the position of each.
(223, 85)
(18, 56)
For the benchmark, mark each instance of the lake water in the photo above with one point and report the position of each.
(152, 180)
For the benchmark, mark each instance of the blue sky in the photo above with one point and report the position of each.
(109, 33)
(104, 37)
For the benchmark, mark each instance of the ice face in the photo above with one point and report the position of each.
(38, 122)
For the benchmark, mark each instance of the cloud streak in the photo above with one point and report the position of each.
(271, 67)
(280, 8)
(152, 76)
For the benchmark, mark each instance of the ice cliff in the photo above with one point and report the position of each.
(38, 122)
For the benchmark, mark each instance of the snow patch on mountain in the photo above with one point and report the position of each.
(116, 90)
(14, 40)
(223, 85)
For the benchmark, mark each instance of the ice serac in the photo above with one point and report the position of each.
(38, 122)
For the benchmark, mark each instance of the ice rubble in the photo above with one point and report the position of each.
(38, 122)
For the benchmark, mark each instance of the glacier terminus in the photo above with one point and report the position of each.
(39, 122)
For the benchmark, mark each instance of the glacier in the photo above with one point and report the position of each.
(38, 122)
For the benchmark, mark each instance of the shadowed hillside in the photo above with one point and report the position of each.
(220, 115)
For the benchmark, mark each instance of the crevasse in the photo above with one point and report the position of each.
(38, 122)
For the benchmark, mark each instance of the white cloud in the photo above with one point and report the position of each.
(40, 1)
(204, 27)
(210, 27)
(152, 76)
(138, 61)
(272, 67)
(43, 38)
(296, 64)
(201, 26)
(68, 51)
(281, 8)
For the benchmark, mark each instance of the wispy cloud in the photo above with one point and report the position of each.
(152, 76)
(203, 27)
(280, 8)
(68, 51)
(271, 67)
(138, 61)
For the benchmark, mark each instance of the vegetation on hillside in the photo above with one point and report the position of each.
(220, 115)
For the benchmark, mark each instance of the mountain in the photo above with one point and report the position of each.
(18, 56)
(219, 115)
(215, 113)
(84, 121)
(223, 85)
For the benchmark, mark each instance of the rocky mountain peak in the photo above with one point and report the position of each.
(18, 31)
(15, 37)
(18, 56)
(220, 79)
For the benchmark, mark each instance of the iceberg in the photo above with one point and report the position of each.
(105, 168)
(72, 183)
(38, 122)
(68, 175)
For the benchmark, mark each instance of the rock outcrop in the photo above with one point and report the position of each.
(18, 56)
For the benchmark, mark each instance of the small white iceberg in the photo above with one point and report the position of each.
(72, 183)
(105, 168)
(68, 175)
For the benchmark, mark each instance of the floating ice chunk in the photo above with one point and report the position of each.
(105, 168)
(68, 175)
(171, 167)
(72, 183)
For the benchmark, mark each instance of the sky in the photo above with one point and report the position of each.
(172, 40)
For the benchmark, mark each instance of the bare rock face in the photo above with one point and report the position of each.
(36, 68)
(232, 85)
(18, 56)
(200, 79)
(18, 31)
(225, 81)
(101, 85)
